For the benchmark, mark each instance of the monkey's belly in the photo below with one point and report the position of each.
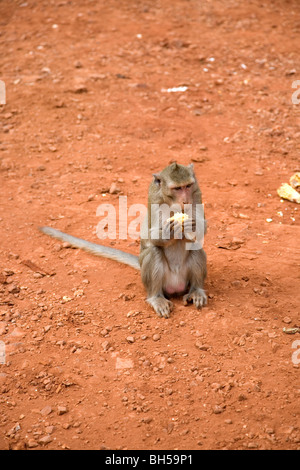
(176, 271)
(175, 289)
(175, 283)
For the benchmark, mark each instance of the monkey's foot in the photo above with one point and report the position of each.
(161, 305)
(197, 296)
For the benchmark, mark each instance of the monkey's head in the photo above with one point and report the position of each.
(176, 184)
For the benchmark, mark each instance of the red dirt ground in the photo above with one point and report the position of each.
(85, 109)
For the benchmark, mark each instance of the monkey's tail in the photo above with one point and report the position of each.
(94, 248)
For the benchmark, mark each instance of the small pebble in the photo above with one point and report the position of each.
(61, 410)
(13, 289)
(45, 440)
(114, 189)
(32, 443)
(46, 410)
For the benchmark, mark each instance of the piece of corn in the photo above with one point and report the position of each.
(180, 217)
(287, 192)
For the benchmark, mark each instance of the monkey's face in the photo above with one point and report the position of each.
(177, 184)
(182, 194)
(179, 193)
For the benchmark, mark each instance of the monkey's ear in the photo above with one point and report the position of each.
(157, 178)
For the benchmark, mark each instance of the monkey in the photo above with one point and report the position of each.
(171, 260)
(167, 267)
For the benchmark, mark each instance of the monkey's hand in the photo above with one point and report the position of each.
(189, 226)
(163, 236)
(173, 229)
(197, 296)
(179, 230)
(189, 230)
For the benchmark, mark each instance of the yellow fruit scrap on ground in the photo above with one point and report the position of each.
(287, 192)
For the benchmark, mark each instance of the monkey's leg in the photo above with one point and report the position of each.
(152, 272)
(197, 275)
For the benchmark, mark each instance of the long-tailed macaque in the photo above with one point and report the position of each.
(172, 260)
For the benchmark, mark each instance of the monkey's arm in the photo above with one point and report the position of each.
(94, 248)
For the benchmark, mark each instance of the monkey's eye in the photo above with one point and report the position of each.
(189, 185)
(178, 188)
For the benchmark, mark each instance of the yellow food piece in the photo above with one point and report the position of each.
(180, 217)
(295, 181)
(287, 192)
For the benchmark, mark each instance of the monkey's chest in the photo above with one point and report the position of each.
(175, 270)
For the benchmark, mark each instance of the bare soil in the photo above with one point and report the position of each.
(88, 363)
